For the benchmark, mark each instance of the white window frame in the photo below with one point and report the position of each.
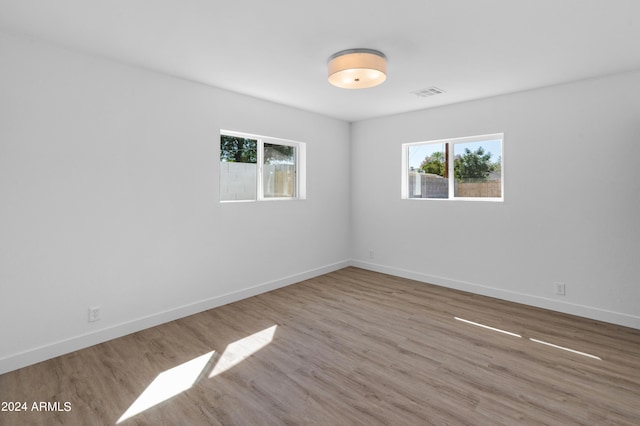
(300, 162)
(451, 142)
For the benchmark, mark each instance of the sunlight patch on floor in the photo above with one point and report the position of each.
(239, 350)
(566, 349)
(184, 376)
(531, 339)
(169, 384)
(477, 324)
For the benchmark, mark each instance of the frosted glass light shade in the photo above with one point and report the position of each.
(357, 68)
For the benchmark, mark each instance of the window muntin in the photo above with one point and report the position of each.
(260, 168)
(463, 168)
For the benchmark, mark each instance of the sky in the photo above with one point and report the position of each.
(417, 153)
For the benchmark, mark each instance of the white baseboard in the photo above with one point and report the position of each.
(537, 301)
(45, 352)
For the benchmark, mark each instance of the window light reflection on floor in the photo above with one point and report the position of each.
(241, 349)
(487, 327)
(169, 384)
(531, 339)
(182, 377)
(566, 349)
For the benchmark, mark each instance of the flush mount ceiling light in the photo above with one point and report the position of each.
(357, 68)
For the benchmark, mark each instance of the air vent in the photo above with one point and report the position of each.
(429, 91)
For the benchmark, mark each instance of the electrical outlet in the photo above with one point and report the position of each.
(370, 254)
(94, 313)
(560, 289)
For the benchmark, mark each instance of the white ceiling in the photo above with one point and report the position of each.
(278, 50)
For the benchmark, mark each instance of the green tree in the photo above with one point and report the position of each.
(434, 164)
(238, 150)
(473, 165)
(278, 154)
(497, 165)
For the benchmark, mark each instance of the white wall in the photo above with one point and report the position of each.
(109, 187)
(572, 200)
(109, 193)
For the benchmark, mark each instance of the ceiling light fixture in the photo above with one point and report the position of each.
(357, 68)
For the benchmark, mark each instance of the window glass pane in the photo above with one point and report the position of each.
(478, 169)
(279, 171)
(238, 168)
(427, 171)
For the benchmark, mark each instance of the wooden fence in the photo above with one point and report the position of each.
(489, 188)
(431, 186)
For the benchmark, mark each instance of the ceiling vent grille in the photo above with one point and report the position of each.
(429, 91)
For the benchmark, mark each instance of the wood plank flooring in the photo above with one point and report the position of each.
(352, 347)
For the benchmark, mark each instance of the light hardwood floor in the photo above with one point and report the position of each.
(350, 347)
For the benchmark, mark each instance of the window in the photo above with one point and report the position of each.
(463, 168)
(260, 168)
